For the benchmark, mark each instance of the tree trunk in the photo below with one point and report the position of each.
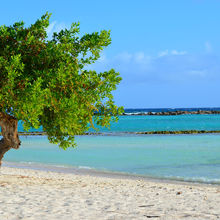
(10, 138)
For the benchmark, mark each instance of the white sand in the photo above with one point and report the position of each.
(29, 194)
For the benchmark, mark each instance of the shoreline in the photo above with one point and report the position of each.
(33, 194)
(101, 173)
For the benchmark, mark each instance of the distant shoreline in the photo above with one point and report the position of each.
(38, 133)
(176, 112)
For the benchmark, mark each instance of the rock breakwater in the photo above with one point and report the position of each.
(199, 112)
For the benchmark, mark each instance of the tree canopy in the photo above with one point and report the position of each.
(47, 82)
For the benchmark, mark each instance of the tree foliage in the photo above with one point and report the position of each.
(47, 82)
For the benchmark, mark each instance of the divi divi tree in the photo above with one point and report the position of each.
(47, 82)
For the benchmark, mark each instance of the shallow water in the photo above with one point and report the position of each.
(183, 157)
(160, 123)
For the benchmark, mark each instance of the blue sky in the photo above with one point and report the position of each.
(167, 51)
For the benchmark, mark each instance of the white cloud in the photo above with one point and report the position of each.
(55, 27)
(172, 52)
(139, 57)
(201, 73)
(129, 64)
(124, 57)
(163, 53)
(142, 58)
(102, 58)
(208, 47)
(51, 27)
(175, 52)
(176, 67)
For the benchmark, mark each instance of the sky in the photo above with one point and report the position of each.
(167, 51)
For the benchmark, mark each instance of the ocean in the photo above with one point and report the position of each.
(188, 157)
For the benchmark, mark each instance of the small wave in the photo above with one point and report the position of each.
(71, 169)
(85, 167)
(195, 179)
(136, 113)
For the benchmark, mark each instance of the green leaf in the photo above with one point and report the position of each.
(49, 83)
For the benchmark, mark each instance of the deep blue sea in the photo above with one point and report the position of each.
(180, 157)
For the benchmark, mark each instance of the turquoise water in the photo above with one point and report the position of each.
(161, 123)
(165, 123)
(181, 157)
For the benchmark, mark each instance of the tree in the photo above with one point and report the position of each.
(46, 82)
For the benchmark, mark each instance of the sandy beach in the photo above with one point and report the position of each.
(33, 194)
